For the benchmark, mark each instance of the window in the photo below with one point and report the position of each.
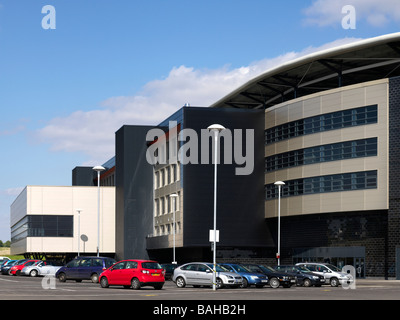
(324, 122)
(43, 226)
(329, 183)
(324, 153)
(85, 263)
(131, 265)
(97, 263)
(119, 266)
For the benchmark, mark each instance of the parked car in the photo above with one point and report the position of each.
(6, 266)
(249, 277)
(333, 275)
(169, 269)
(201, 274)
(84, 268)
(276, 278)
(134, 274)
(42, 268)
(17, 268)
(304, 277)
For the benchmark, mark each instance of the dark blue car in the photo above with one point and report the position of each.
(249, 277)
(84, 268)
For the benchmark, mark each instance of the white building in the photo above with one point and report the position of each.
(45, 219)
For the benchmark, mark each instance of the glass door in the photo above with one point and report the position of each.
(360, 267)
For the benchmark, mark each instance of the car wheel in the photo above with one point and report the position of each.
(158, 286)
(274, 283)
(219, 284)
(180, 282)
(135, 284)
(33, 273)
(95, 278)
(104, 282)
(245, 283)
(62, 277)
(307, 283)
(334, 282)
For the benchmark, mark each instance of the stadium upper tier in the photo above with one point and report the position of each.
(357, 62)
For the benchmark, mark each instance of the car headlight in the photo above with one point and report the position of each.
(230, 277)
(253, 277)
(315, 277)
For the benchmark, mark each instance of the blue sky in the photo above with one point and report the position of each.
(64, 92)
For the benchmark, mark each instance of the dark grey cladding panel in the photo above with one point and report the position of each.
(240, 207)
(134, 192)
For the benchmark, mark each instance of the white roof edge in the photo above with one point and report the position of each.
(313, 56)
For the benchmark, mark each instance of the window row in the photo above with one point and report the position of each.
(322, 184)
(323, 122)
(166, 176)
(324, 153)
(164, 205)
(42, 226)
(167, 229)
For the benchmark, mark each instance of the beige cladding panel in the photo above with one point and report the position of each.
(360, 95)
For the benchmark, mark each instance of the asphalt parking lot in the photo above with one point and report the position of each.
(39, 288)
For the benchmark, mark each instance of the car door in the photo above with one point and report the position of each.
(72, 269)
(190, 272)
(204, 275)
(115, 275)
(131, 271)
(84, 268)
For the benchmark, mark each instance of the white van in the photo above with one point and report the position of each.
(333, 275)
(3, 259)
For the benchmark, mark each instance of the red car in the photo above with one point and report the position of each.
(133, 273)
(17, 268)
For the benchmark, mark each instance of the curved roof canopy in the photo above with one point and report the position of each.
(358, 62)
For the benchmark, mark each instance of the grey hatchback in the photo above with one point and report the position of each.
(84, 268)
(201, 274)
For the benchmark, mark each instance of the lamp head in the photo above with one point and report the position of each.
(99, 168)
(216, 127)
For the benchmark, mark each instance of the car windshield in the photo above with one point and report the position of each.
(218, 268)
(333, 268)
(240, 268)
(267, 268)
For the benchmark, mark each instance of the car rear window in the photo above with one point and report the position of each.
(151, 265)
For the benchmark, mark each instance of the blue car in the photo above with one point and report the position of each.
(249, 277)
(84, 268)
(6, 266)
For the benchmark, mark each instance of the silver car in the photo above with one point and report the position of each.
(41, 268)
(201, 274)
(333, 275)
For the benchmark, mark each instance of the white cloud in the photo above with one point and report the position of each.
(92, 132)
(12, 191)
(376, 13)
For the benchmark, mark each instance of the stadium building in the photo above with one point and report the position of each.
(325, 124)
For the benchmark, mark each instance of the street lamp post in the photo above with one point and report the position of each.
(279, 184)
(215, 129)
(79, 229)
(174, 196)
(98, 169)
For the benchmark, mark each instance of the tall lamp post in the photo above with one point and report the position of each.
(174, 196)
(79, 229)
(98, 169)
(279, 184)
(215, 129)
